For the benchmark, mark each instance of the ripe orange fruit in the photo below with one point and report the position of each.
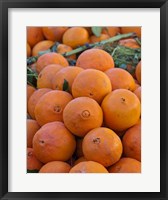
(28, 50)
(34, 99)
(88, 167)
(68, 74)
(50, 58)
(120, 79)
(138, 72)
(34, 35)
(81, 159)
(62, 48)
(132, 142)
(75, 36)
(121, 109)
(53, 142)
(102, 145)
(91, 83)
(32, 162)
(81, 115)
(30, 91)
(136, 29)
(95, 59)
(46, 75)
(41, 46)
(131, 43)
(137, 92)
(94, 39)
(79, 151)
(54, 33)
(55, 167)
(50, 106)
(126, 165)
(111, 31)
(32, 128)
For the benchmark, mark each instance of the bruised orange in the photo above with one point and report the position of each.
(53, 142)
(102, 145)
(32, 162)
(50, 106)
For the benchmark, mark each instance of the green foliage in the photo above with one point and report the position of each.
(31, 77)
(96, 30)
(66, 86)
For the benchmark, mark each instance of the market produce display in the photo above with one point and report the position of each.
(84, 99)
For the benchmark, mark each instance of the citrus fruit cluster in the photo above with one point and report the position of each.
(84, 118)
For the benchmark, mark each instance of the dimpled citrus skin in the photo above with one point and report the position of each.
(126, 165)
(53, 142)
(50, 106)
(132, 142)
(91, 83)
(88, 167)
(81, 115)
(68, 74)
(95, 59)
(50, 58)
(55, 167)
(102, 145)
(34, 99)
(120, 78)
(46, 75)
(121, 109)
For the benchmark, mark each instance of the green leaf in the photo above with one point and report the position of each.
(97, 30)
(66, 86)
(123, 66)
(32, 171)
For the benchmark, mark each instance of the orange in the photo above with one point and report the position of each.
(30, 91)
(121, 109)
(32, 128)
(54, 33)
(91, 83)
(120, 79)
(126, 165)
(50, 106)
(137, 92)
(28, 50)
(94, 39)
(32, 162)
(132, 142)
(81, 159)
(34, 99)
(111, 31)
(138, 72)
(131, 43)
(129, 29)
(102, 145)
(53, 142)
(88, 167)
(82, 115)
(95, 59)
(46, 75)
(75, 36)
(68, 74)
(34, 35)
(41, 46)
(50, 58)
(79, 151)
(55, 167)
(62, 48)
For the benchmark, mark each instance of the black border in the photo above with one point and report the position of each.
(4, 5)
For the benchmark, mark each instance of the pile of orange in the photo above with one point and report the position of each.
(84, 118)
